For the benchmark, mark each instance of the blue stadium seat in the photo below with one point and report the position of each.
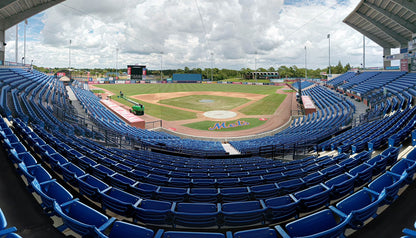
(3, 226)
(122, 229)
(341, 185)
(292, 185)
(235, 194)
(264, 232)
(379, 162)
(91, 187)
(228, 182)
(243, 213)
(264, 191)
(153, 212)
(71, 172)
(363, 174)
(360, 206)
(405, 167)
(187, 234)
(144, 190)
(120, 181)
(81, 218)
(281, 208)
(118, 201)
(172, 194)
(195, 214)
(50, 192)
(325, 223)
(314, 178)
(312, 198)
(204, 195)
(389, 184)
(34, 172)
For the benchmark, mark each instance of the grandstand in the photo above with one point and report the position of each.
(71, 167)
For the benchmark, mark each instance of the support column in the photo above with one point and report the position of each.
(2, 46)
(386, 52)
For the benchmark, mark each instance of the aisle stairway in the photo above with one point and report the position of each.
(230, 149)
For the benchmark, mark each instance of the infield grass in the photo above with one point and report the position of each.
(194, 102)
(266, 106)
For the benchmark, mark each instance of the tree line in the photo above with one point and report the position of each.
(207, 73)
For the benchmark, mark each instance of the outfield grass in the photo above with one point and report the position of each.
(97, 91)
(205, 125)
(193, 102)
(164, 113)
(135, 89)
(265, 106)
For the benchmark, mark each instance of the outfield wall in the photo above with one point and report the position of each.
(164, 82)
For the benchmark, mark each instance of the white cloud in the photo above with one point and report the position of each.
(235, 31)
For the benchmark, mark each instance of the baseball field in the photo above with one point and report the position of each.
(185, 105)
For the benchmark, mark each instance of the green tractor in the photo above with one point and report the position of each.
(137, 109)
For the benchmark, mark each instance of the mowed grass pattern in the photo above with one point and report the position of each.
(165, 113)
(193, 102)
(135, 89)
(265, 106)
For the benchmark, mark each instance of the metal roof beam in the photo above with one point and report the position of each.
(408, 4)
(409, 26)
(372, 37)
(384, 29)
(4, 3)
(16, 18)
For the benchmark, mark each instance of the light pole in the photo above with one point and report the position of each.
(255, 67)
(329, 54)
(24, 45)
(116, 62)
(17, 41)
(363, 51)
(161, 61)
(212, 59)
(306, 67)
(69, 55)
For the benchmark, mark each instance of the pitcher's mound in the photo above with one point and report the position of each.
(220, 114)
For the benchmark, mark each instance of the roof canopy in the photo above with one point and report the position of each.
(14, 11)
(389, 23)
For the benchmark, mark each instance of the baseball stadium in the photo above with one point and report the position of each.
(191, 157)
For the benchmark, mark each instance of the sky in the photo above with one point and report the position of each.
(172, 34)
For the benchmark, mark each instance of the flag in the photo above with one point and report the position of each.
(329, 35)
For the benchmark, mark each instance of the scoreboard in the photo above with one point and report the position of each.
(136, 72)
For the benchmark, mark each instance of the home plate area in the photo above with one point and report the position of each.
(220, 114)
